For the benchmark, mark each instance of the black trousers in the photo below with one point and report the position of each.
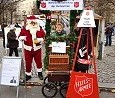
(81, 67)
(11, 50)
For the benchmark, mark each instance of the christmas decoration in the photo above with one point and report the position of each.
(71, 37)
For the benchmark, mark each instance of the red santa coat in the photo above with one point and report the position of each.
(28, 43)
(32, 50)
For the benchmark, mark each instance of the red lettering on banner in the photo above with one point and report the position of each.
(83, 85)
(76, 4)
(43, 4)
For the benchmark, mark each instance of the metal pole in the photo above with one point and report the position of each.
(17, 93)
(24, 63)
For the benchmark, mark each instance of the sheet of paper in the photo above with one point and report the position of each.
(10, 72)
(58, 47)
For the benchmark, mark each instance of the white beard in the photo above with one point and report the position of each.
(33, 30)
(31, 27)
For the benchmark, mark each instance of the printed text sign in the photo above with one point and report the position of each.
(87, 19)
(83, 85)
(64, 5)
(59, 47)
(10, 73)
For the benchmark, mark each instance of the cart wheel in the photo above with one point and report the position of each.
(45, 80)
(49, 90)
(63, 90)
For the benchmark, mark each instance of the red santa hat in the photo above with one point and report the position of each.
(32, 18)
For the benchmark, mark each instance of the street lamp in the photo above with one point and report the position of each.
(24, 17)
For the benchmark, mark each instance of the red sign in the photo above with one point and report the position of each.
(43, 4)
(82, 85)
(76, 4)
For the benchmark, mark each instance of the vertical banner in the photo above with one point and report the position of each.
(83, 85)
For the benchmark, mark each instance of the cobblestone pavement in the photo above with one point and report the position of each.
(106, 67)
(106, 77)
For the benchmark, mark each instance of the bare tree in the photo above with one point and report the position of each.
(8, 6)
(105, 8)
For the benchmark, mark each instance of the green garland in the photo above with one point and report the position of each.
(48, 30)
(73, 34)
(67, 38)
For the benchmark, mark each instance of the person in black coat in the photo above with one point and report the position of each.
(13, 42)
(108, 32)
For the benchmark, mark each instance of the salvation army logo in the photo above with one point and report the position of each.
(87, 13)
(43, 4)
(76, 4)
(83, 85)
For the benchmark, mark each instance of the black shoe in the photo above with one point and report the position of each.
(106, 44)
(28, 77)
(40, 75)
(109, 44)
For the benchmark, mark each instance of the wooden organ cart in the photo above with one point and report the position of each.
(58, 74)
(58, 67)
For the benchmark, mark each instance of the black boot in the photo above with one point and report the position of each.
(28, 77)
(40, 75)
(106, 44)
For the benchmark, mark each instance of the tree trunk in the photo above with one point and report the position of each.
(11, 17)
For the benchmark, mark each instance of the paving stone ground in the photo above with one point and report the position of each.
(106, 67)
(106, 78)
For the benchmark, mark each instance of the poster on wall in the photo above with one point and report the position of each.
(10, 71)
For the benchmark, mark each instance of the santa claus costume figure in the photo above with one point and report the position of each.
(33, 37)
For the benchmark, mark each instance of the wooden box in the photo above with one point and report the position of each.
(58, 67)
(58, 59)
(59, 76)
